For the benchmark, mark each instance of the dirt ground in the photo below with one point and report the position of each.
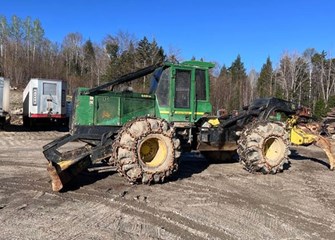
(203, 200)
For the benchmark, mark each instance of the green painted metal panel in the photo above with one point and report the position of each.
(204, 65)
(84, 109)
(107, 110)
(136, 107)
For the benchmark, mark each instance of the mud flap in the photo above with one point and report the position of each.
(63, 172)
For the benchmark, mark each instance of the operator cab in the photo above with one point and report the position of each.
(182, 91)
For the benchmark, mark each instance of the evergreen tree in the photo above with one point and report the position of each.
(112, 49)
(278, 86)
(320, 109)
(239, 84)
(89, 62)
(143, 53)
(128, 62)
(148, 54)
(265, 81)
(156, 53)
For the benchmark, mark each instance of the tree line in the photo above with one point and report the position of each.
(307, 78)
(26, 53)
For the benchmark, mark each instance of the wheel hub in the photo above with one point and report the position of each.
(152, 151)
(274, 151)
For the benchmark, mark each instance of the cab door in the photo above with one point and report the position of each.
(182, 104)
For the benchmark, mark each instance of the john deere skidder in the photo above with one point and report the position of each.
(142, 135)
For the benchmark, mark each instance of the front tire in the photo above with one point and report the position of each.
(263, 147)
(146, 150)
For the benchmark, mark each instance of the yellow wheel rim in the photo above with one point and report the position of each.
(274, 151)
(153, 152)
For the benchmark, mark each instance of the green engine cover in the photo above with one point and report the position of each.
(108, 108)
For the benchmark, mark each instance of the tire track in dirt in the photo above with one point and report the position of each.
(255, 211)
(252, 217)
(318, 190)
(214, 204)
(169, 221)
(212, 193)
(97, 211)
(25, 164)
(21, 138)
(189, 228)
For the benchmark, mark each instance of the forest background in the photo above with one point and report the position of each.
(307, 78)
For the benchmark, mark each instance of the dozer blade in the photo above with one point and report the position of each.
(64, 166)
(62, 172)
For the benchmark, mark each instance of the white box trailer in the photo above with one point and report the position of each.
(4, 101)
(44, 100)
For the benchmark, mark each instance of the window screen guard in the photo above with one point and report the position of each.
(183, 85)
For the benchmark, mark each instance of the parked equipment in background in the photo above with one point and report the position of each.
(44, 101)
(4, 102)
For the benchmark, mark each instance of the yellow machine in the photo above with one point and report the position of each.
(307, 133)
(298, 136)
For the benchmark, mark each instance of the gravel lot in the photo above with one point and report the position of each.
(203, 200)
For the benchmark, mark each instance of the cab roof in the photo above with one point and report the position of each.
(199, 64)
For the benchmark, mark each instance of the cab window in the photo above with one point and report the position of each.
(200, 84)
(163, 88)
(183, 85)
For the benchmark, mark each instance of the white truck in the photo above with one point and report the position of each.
(44, 101)
(4, 102)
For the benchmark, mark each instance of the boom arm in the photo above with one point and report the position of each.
(125, 78)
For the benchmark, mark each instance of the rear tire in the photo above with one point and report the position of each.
(146, 150)
(263, 147)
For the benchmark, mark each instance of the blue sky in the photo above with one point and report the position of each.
(214, 30)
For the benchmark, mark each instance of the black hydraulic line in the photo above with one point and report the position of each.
(235, 119)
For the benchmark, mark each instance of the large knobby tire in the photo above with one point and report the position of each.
(263, 147)
(146, 150)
